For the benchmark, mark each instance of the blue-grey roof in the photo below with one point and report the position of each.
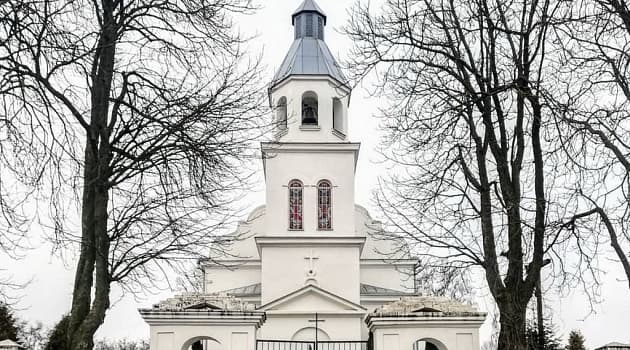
(366, 289)
(251, 290)
(309, 56)
(308, 6)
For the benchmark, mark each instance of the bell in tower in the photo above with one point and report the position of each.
(309, 92)
(309, 110)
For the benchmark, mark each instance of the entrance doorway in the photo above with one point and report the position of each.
(202, 343)
(428, 344)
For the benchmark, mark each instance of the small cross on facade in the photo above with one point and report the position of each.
(311, 268)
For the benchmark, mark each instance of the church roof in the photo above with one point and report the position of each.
(426, 305)
(197, 301)
(370, 290)
(246, 291)
(309, 56)
(253, 290)
(614, 345)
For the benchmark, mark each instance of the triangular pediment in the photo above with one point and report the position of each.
(202, 306)
(312, 299)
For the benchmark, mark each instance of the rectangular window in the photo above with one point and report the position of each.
(309, 24)
(320, 28)
(298, 27)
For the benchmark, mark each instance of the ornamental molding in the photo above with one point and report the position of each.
(208, 302)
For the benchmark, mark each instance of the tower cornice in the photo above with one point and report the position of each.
(268, 149)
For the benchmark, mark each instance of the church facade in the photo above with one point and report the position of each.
(307, 271)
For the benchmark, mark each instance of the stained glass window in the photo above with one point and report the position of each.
(324, 205)
(295, 205)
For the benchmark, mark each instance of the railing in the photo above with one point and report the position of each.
(311, 345)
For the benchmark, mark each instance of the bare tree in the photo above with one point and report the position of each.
(14, 223)
(137, 114)
(475, 182)
(594, 112)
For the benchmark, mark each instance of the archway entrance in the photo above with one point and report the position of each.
(202, 343)
(428, 344)
(308, 334)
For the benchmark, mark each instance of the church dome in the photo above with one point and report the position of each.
(309, 54)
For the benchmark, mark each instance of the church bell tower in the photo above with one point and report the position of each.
(309, 93)
(309, 171)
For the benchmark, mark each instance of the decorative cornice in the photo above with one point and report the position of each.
(424, 319)
(199, 301)
(338, 133)
(309, 241)
(310, 146)
(388, 262)
(269, 148)
(230, 263)
(337, 84)
(192, 317)
(413, 311)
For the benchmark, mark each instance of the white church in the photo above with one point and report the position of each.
(311, 274)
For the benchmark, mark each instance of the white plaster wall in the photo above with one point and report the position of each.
(230, 336)
(310, 168)
(396, 277)
(338, 327)
(372, 271)
(377, 245)
(403, 338)
(326, 90)
(220, 278)
(284, 270)
(364, 225)
(245, 246)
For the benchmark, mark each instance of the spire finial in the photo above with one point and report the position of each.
(308, 6)
(309, 21)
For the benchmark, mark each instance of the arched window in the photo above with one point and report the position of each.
(309, 108)
(324, 205)
(295, 205)
(337, 115)
(281, 113)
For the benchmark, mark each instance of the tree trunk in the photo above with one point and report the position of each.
(84, 278)
(539, 315)
(512, 319)
(93, 267)
(83, 337)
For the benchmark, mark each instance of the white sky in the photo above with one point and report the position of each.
(48, 295)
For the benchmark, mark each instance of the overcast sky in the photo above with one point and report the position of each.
(48, 295)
